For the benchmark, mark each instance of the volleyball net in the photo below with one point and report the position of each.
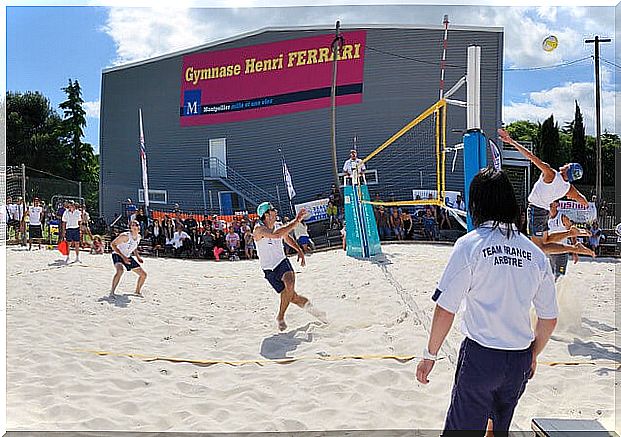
(413, 161)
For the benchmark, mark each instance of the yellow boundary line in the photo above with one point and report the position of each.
(261, 362)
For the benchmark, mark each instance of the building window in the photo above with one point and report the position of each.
(155, 196)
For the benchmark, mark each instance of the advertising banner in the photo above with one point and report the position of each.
(576, 212)
(270, 79)
(318, 210)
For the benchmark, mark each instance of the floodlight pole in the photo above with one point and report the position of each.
(598, 123)
(336, 42)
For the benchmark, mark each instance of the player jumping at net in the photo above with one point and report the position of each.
(276, 266)
(123, 247)
(551, 185)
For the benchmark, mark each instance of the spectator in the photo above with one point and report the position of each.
(71, 229)
(130, 209)
(396, 224)
(249, 242)
(344, 236)
(300, 232)
(181, 241)
(383, 226)
(596, 235)
(35, 224)
(85, 228)
(169, 229)
(408, 225)
(444, 218)
(332, 212)
(429, 224)
(11, 214)
(232, 244)
(157, 236)
(191, 226)
(459, 203)
(142, 220)
(352, 164)
(220, 244)
(208, 242)
(98, 246)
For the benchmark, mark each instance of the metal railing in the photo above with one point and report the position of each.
(215, 169)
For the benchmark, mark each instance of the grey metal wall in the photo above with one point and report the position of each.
(401, 77)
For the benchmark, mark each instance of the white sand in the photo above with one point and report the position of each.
(226, 311)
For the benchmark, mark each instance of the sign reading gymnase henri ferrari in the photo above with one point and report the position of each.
(270, 79)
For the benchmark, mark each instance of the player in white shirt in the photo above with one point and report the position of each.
(123, 248)
(353, 163)
(559, 223)
(551, 185)
(71, 228)
(278, 271)
(497, 273)
(35, 226)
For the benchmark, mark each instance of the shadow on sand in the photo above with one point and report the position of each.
(278, 345)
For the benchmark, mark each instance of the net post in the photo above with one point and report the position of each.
(475, 142)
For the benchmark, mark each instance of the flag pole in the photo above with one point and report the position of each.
(143, 164)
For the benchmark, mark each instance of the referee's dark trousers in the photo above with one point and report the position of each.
(488, 384)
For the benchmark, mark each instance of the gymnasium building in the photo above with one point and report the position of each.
(218, 119)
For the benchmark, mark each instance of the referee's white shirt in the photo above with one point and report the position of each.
(498, 279)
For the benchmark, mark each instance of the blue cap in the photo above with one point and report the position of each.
(263, 208)
(574, 172)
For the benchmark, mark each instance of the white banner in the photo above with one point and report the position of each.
(450, 197)
(578, 213)
(317, 210)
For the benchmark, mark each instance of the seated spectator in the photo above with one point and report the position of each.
(408, 225)
(219, 248)
(429, 224)
(208, 243)
(300, 232)
(191, 226)
(143, 220)
(249, 243)
(459, 203)
(157, 236)
(181, 241)
(98, 246)
(396, 224)
(232, 244)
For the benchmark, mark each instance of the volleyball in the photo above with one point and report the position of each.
(618, 229)
(550, 43)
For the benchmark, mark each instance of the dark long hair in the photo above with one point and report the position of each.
(492, 199)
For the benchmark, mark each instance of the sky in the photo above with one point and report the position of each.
(48, 45)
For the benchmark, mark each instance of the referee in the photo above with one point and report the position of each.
(498, 273)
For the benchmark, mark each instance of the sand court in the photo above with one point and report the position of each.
(225, 312)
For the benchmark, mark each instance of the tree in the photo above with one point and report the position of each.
(549, 149)
(34, 133)
(74, 123)
(524, 130)
(610, 144)
(578, 143)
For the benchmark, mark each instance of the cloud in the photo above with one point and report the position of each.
(141, 33)
(92, 109)
(559, 101)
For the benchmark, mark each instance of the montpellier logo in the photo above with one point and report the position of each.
(192, 102)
